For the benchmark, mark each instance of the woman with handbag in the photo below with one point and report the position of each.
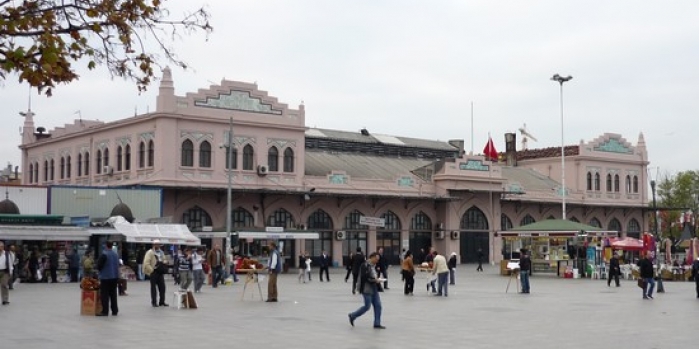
(408, 270)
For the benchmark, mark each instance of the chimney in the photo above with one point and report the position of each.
(511, 149)
(458, 143)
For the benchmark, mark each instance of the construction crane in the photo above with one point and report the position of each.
(526, 136)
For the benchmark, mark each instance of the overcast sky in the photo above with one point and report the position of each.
(413, 68)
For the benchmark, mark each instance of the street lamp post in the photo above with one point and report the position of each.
(561, 80)
(229, 196)
(661, 289)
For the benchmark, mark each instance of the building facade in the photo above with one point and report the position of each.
(284, 174)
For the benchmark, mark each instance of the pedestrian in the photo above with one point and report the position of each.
(452, 268)
(302, 268)
(357, 262)
(53, 265)
(439, 268)
(479, 256)
(614, 271)
(185, 268)
(429, 259)
(383, 268)
(73, 265)
(525, 267)
(154, 266)
(695, 274)
(308, 266)
(140, 254)
(17, 264)
(369, 288)
(108, 266)
(647, 274)
(216, 261)
(419, 257)
(33, 266)
(7, 262)
(274, 268)
(197, 269)
(233, 260)
(408, 271)
(122, 283)
(325, 261)
(348, 266)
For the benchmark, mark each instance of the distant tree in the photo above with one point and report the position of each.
(42, 40)
(680, 192)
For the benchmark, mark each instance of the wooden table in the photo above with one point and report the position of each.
(251, 276)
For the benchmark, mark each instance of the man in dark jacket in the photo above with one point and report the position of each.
(451, 263)
(73, 265)
(324, 265)
(614, 271)
(357, 261)
(525, 267)
(695, 274)
(108, 266)
(140, 255)
(382, 268)
(53, 265)
(647, 273)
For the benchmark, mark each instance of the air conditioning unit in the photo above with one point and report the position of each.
(439, 235)
(108, 170)
(340, 235)
(262, 170)
(455, 235)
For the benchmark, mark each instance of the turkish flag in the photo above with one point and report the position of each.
(489, 150)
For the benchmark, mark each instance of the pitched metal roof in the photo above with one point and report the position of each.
(322, 163)
(379, 139)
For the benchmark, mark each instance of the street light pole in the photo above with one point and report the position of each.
(661, 289)
(229, 147)
(561, 80)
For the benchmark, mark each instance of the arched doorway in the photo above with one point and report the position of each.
(356, 234)
(474, 235)
(388, 237)
(282, 218)
(420, 236)
(320, 222)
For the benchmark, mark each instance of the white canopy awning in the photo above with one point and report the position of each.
(43, 233)
(176, 234)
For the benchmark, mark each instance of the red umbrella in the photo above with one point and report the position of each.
(627, 244)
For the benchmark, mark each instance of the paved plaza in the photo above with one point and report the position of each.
(559, 313)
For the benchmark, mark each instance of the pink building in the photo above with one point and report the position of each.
(284, 174)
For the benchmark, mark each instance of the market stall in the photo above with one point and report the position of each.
(553, 244)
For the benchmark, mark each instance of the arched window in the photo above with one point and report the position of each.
(233, 158)
(273, 159)
(68, 166)
(241, 218)
(62, 171)
(195, 218)
(633, 229)
(615, 225)
(98, 161)
(505, 222)
(635, 184)
(80, 164)
(46, 170)
(597, 180)
(205, 154)
(127, 157)
(51, 170)
(616, 183)
(289, 160)
(595, 222)
(187, 153)
(248, 154)
(106, 157)
(421, 221)
(31, 173)
(527, 220)
(628, 184)
(392, 222)
(142, 155)
(609, 183)
(589, 181)
(36, 172)
(120, 158)
(319, 220)
(87, 163)
(151, 153)
(280, 218)
(474, 219)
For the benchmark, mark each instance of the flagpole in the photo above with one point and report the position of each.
(490, 196)
(471, 127)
